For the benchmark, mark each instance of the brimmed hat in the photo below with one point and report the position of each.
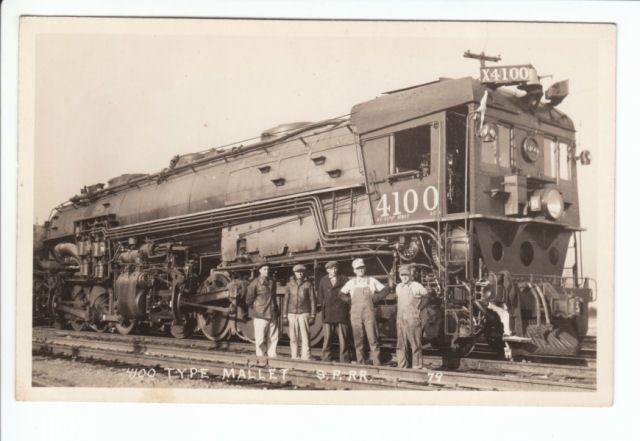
(299, 267)
(331, 264)
(405, 269)
(262, 266)
(357, 263)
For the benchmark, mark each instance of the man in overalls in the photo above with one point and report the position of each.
(409, 343)
(364, 291)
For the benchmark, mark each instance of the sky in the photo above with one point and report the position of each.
(116, 96)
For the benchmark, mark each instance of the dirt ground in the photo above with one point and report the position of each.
(56, 372)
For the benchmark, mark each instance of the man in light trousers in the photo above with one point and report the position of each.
(261, 298)
(299, 305)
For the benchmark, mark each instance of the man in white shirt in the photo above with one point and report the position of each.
(364, 291)
(409, 343)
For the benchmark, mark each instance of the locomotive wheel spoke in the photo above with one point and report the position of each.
(315, 330)
(78, 325)
(245, 330)
(99, 307)
(184, 330)
(213, 326)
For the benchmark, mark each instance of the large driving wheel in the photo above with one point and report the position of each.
(315, 330)
(99, 308)
(80, 301)
(54, 299)
(184, 322)
(125, 326)
(245, 329)
(214, 325)
(181, 331)
(78, 324)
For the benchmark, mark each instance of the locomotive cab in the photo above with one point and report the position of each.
(493, 171)
(415, 157)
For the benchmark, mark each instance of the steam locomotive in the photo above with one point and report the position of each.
(471, 181)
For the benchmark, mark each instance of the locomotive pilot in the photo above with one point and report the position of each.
(300, 309)
(261, 298)
(409, 327)
(364, 291)
(335, 311)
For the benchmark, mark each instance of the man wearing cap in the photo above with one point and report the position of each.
(364, 291)
(409, 342)
(335, 311)
(261, 298)
(300, 309)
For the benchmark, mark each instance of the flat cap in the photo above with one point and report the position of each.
(357, 263)
(331, 264)
(405, 269)
(299, 267)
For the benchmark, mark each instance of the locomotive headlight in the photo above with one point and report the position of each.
(551, 202)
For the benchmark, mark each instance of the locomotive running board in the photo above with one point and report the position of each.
(516, 339)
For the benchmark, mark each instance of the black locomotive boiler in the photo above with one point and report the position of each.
(473, 182)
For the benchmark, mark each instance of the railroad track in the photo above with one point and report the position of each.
(481, 360)
(236, 362)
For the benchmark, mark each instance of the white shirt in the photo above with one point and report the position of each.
(361, 282)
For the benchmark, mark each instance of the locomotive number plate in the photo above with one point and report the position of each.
(407, 204)
(507, 74)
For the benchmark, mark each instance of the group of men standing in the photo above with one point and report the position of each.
(347, 304)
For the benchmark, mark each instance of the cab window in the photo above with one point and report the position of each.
(411, 150)
(563, 160)
(504, 146)
(498, 150)
(550, 164)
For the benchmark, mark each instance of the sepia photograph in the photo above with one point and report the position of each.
(418, 210)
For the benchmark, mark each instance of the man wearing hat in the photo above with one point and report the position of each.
(409, 342)
(261, 298)
(300, 309)
(364, 291)
(335, 311)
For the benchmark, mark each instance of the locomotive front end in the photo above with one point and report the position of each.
(527, 216)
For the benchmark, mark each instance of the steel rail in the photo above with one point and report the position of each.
(471, 380)
(224, 367)
(429, 360)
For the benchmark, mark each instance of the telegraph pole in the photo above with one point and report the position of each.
(482, 57)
